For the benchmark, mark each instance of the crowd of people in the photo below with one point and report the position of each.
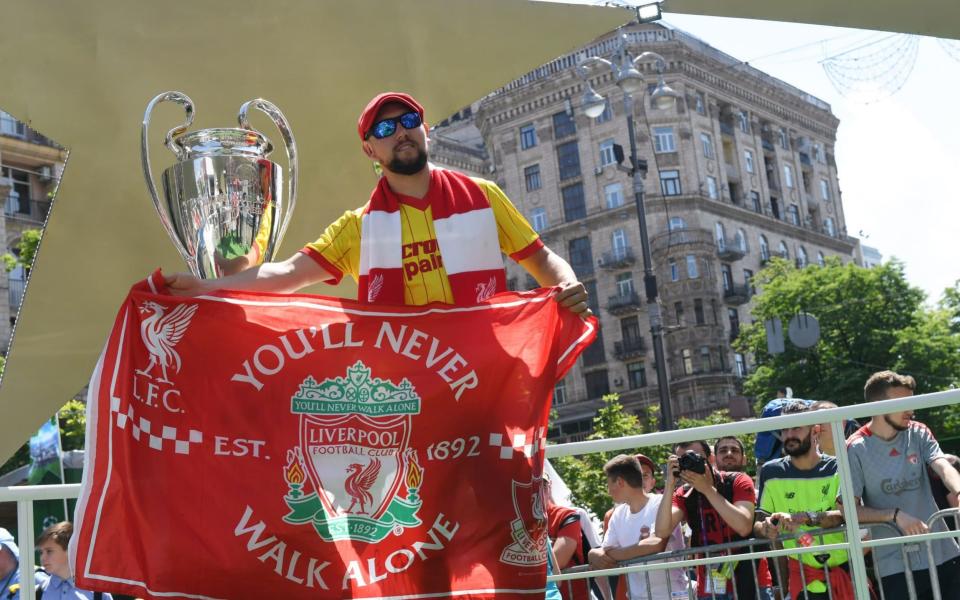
(710, 507)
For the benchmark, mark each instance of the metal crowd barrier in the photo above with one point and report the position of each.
(835, 417)
(25, 495)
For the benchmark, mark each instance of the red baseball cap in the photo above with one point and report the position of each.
(373, 107)
(644, 460)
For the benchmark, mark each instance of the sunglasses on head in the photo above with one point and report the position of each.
(384, 128)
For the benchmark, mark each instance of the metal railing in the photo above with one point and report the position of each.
(835, 417)
(852, 544)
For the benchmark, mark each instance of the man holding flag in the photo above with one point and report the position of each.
(426, 235)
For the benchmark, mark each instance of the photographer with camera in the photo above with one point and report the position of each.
(719, 508)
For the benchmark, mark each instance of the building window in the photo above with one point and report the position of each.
(788, 176)
(564, 125)
(531, 175)
(598, 385)
(784, 251)
(706, 365)
(824, 189)
(606, 115)
(676, 224)
(538, 219)
(721, 236)
(636, 375)
(712, 187)
(568, 160)
(713, 310)
(573, 204)
(748, 160)
(734, 318)
(674, 271)
(581, 256)
(707, 143)
(528, 137)
(698, 311)
(630, 331)
(755, 201)
(744, 121)
(828, 227)
(748, 278)
(740, 365)
(764, 249)
(793, 214)
(740, 239)
(801, 257)
(560, 392)
(692, 271)
(606, 153)
(821, 260)
(678, 312)
(663, 140)
(726, 274)
(625, 284)
(687, 362)
(784, 139)
(818, 153)
(700, 103)
(12, 127)
(670, 183)
(619, 243)
(613, 195)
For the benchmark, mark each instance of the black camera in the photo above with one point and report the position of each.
(691, 461)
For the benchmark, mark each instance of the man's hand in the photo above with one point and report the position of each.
(702, 482)
(669, 479)
(599, 559)
(573, 295)
(772, 526)
(185, 284)
(910, 525)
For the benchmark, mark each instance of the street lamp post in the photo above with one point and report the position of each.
(630, 81)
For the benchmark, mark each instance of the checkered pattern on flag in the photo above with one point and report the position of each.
(248, 445)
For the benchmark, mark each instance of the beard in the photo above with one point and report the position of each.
(803, 446)
(410, 166)
(894, 424)
(731, 466)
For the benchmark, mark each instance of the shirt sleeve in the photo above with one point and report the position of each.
(337, 250)
(765, 503)
(929, 446)
(611, 539)
(857, 481)
(570, 527)
(678, 501)
(518, 240)
(743, 490)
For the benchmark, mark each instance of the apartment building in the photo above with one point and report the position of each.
(30, 167)
(741, 169)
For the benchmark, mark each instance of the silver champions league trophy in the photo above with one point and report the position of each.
(223, 201)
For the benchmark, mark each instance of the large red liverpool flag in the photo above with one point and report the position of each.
(269, 446)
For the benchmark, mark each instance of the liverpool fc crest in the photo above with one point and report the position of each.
(354, 438)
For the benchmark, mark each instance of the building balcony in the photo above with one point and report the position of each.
(629, 348)
(726, 128)
(25, 209)
(594, 355)
(767, 145)
(617, 259)
(15, 294)
(733, 173)
(623, 303)
(805, 159)
(737, 294)
(728, 249)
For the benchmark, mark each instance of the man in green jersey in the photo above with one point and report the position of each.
(799, 493)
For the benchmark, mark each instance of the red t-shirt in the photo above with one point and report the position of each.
(565, 522)
(714, 530)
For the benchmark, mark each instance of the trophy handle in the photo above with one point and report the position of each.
(280, 121)
(187, 104)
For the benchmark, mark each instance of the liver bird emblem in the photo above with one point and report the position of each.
(359, 482)
(486, 290)
(161, 332)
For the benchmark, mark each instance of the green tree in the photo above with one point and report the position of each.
(26, 250)
(951, 303)
(870, 320)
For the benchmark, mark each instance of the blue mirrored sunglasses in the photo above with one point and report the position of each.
(387, 127)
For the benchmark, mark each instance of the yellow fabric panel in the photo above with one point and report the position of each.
(513, 229)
